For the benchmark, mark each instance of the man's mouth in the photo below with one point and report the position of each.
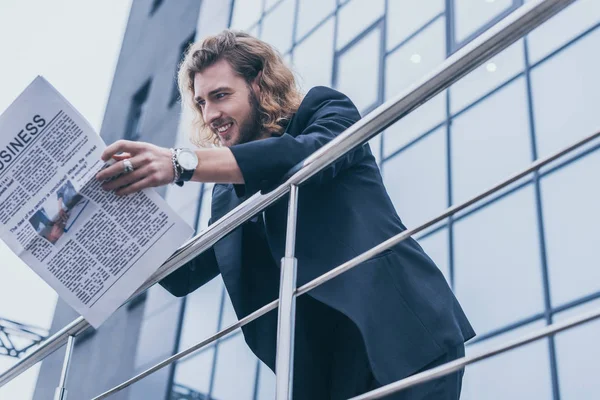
(223, 129)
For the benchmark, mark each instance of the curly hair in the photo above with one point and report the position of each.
(278, 98)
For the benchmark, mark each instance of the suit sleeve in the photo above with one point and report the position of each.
(264, 163)
(192, 275)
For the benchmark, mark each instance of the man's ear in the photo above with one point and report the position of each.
(256, 82)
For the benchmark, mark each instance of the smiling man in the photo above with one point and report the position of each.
(386, 319)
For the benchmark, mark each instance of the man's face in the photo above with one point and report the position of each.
(229, 105)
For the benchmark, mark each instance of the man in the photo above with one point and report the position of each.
(386, 319)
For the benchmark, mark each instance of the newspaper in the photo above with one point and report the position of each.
(93, 247)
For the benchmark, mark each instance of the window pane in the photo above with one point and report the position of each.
(522, 373)
(487, 77)
(319, 43)
(205, 211)
(415, 59)
(375, 144)
(415, 124)
(577, 354)
(497, 274)
(310, 13)
(201, 313)
(404, 17)
(270, 3)
(566, 95)
(246, 13)
(561, 28)
(235, 372)
(570, 199)
(192, 375)
(355, 17)
(229, 315)
(358, 71)
(489, 145)
(436, 247)
(472, 15)
(157, 334)
(278, 24)
(404, 68)
(416, 179)
(266, 383)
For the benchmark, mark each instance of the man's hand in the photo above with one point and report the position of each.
(152, 167)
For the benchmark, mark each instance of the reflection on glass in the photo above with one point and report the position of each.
(192, 374)
(490, 142)
(577, 354)
(277, 26)
(310, 13)
(355, 16)
(416, 179)
(358, 71)
(415, 58)
(488, 76)
(236, 370)
(570, 199)
(436, 247)
(522, 373)
(566, 95)
(471, 15)
(497, 273)
(246, 13)
(313, 58)
(404, 17)
(561, 28)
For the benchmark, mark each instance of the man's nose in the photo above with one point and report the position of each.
(211, 114)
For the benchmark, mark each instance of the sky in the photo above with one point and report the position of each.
(75, 45)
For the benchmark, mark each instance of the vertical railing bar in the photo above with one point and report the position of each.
(284, 365)
(61, 390)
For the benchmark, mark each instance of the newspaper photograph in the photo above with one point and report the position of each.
(91, 246)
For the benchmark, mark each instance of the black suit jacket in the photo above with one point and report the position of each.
(399, 300)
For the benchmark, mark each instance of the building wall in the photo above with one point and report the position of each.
(517, 261)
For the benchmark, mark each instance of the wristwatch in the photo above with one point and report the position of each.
(185, 162)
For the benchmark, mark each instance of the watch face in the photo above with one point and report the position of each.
(187, 159)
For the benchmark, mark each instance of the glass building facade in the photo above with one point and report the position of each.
(516, 261)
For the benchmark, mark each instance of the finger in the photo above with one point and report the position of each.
(121, 156)
(126, 179)
(119, 168)
(147, 182)
(121, 146)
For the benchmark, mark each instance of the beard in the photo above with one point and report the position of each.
(251, 127)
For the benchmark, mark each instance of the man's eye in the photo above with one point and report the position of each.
(201, 103)
(220, 95)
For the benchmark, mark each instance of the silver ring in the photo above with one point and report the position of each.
(127, 166)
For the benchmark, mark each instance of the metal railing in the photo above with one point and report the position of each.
(490, 43)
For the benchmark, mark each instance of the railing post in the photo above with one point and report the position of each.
(61, 390)
(284, 366)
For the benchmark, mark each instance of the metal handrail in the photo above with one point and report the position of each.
(351, 264)
(497, 38)
(460, 363)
